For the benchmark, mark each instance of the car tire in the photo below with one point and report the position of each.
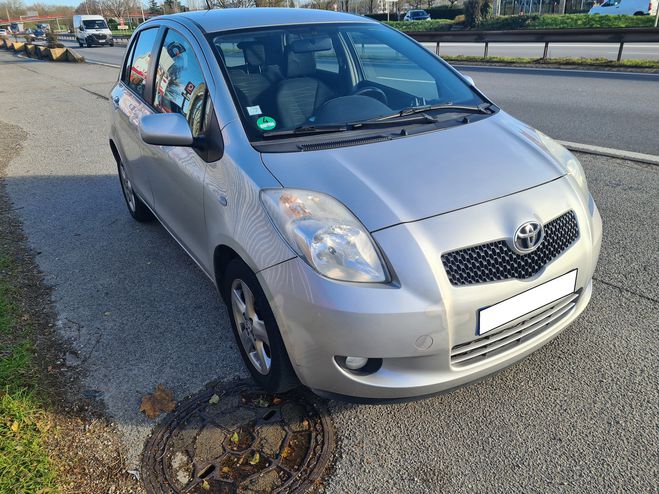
(256, 330)
(136, 207)
(80, 43)
(89, 44)
(112, 44)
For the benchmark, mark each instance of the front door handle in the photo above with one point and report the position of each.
(115, 102)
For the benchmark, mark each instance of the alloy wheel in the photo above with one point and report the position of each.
(127, 188)
(251, 328)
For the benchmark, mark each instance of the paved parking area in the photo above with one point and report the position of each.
(580, 415)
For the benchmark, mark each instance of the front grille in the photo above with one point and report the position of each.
(514, 333)
(496, 261)
(99, 36)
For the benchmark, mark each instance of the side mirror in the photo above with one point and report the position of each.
(82, 28)
(469, 80)
(166, 129)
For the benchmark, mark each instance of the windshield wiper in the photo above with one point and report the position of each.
(411, 110)
(308, 129)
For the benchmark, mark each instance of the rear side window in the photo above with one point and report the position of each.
(180, 86)
(140, 59)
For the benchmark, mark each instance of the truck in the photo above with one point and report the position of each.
(92, 30)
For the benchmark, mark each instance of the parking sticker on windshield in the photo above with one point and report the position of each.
(254, 110)
(266, 123)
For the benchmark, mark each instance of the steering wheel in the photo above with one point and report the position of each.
(377, 93)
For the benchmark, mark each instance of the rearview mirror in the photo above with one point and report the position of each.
(166, 129)
(469, 80)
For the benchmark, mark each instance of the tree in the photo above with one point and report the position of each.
(13, 8)
(476, 11)
(154, 8)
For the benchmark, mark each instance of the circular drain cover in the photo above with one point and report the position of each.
(245, 442)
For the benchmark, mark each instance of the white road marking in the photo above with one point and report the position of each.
(405, 80)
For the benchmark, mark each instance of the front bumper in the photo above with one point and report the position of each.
(413, 323)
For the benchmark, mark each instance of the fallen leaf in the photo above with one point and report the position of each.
(226, 470)
(205, 485)
(15, 426)
(260, 402)
(214, 400)
(255, 459)
(162, 400)
(235, 438)
(277, 401)
(287, 451)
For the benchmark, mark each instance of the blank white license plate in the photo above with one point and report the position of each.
(499, 314)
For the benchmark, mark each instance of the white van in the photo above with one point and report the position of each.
(92, 30)
(626, 7)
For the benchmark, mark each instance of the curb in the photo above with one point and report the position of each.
(650, 159)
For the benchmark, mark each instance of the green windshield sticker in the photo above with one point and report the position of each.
(266, 123)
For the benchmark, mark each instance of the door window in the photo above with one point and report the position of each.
(139, 65)
(180, 86)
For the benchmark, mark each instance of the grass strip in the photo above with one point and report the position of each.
(586, 62)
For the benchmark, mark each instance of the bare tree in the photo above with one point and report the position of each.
(13, 8)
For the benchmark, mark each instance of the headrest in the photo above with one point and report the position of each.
(300, 64)
(254, 52)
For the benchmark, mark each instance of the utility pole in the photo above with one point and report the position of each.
(142, 9)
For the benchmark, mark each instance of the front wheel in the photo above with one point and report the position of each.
(80, 44)
(136, 207)
(256, 330)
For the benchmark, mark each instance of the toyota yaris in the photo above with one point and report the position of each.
(378, 227)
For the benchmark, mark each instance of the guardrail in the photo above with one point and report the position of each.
(546, 36)
(118, 39)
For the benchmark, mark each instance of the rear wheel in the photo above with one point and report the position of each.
(80, 44)
(256, 330)
(136, 207)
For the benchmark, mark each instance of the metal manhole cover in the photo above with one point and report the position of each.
(247, 442)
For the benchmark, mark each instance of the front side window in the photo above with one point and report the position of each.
(180, 86)
(294, 77)
(140, 60)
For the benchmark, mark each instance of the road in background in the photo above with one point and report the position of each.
(579, 415)
(610, 109)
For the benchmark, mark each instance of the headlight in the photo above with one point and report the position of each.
(569, 162)
(324, 233)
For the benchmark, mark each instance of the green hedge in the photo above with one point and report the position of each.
(431, 25)
(567, 21)
(445, 12)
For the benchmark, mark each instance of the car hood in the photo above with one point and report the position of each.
(407, 179)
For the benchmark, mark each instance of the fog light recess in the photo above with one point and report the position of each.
(359, 365)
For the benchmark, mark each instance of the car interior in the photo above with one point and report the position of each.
(302, 79)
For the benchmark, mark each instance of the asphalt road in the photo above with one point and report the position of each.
(577, 416)
(579, 106)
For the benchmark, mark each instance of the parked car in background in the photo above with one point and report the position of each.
(377, 227)
(39, 33)
(626, 7)
(3, 32)
(92, 30)
(416, 15)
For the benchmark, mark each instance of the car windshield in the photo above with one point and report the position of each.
(96, 24)
(302, 77)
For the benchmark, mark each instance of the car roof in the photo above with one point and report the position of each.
(243, 18)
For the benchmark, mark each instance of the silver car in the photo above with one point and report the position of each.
(378, 228)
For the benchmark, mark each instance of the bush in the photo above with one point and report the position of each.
(445, 12)
(52, 41)
(567, 21)
(431, 25)
(112, 24)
